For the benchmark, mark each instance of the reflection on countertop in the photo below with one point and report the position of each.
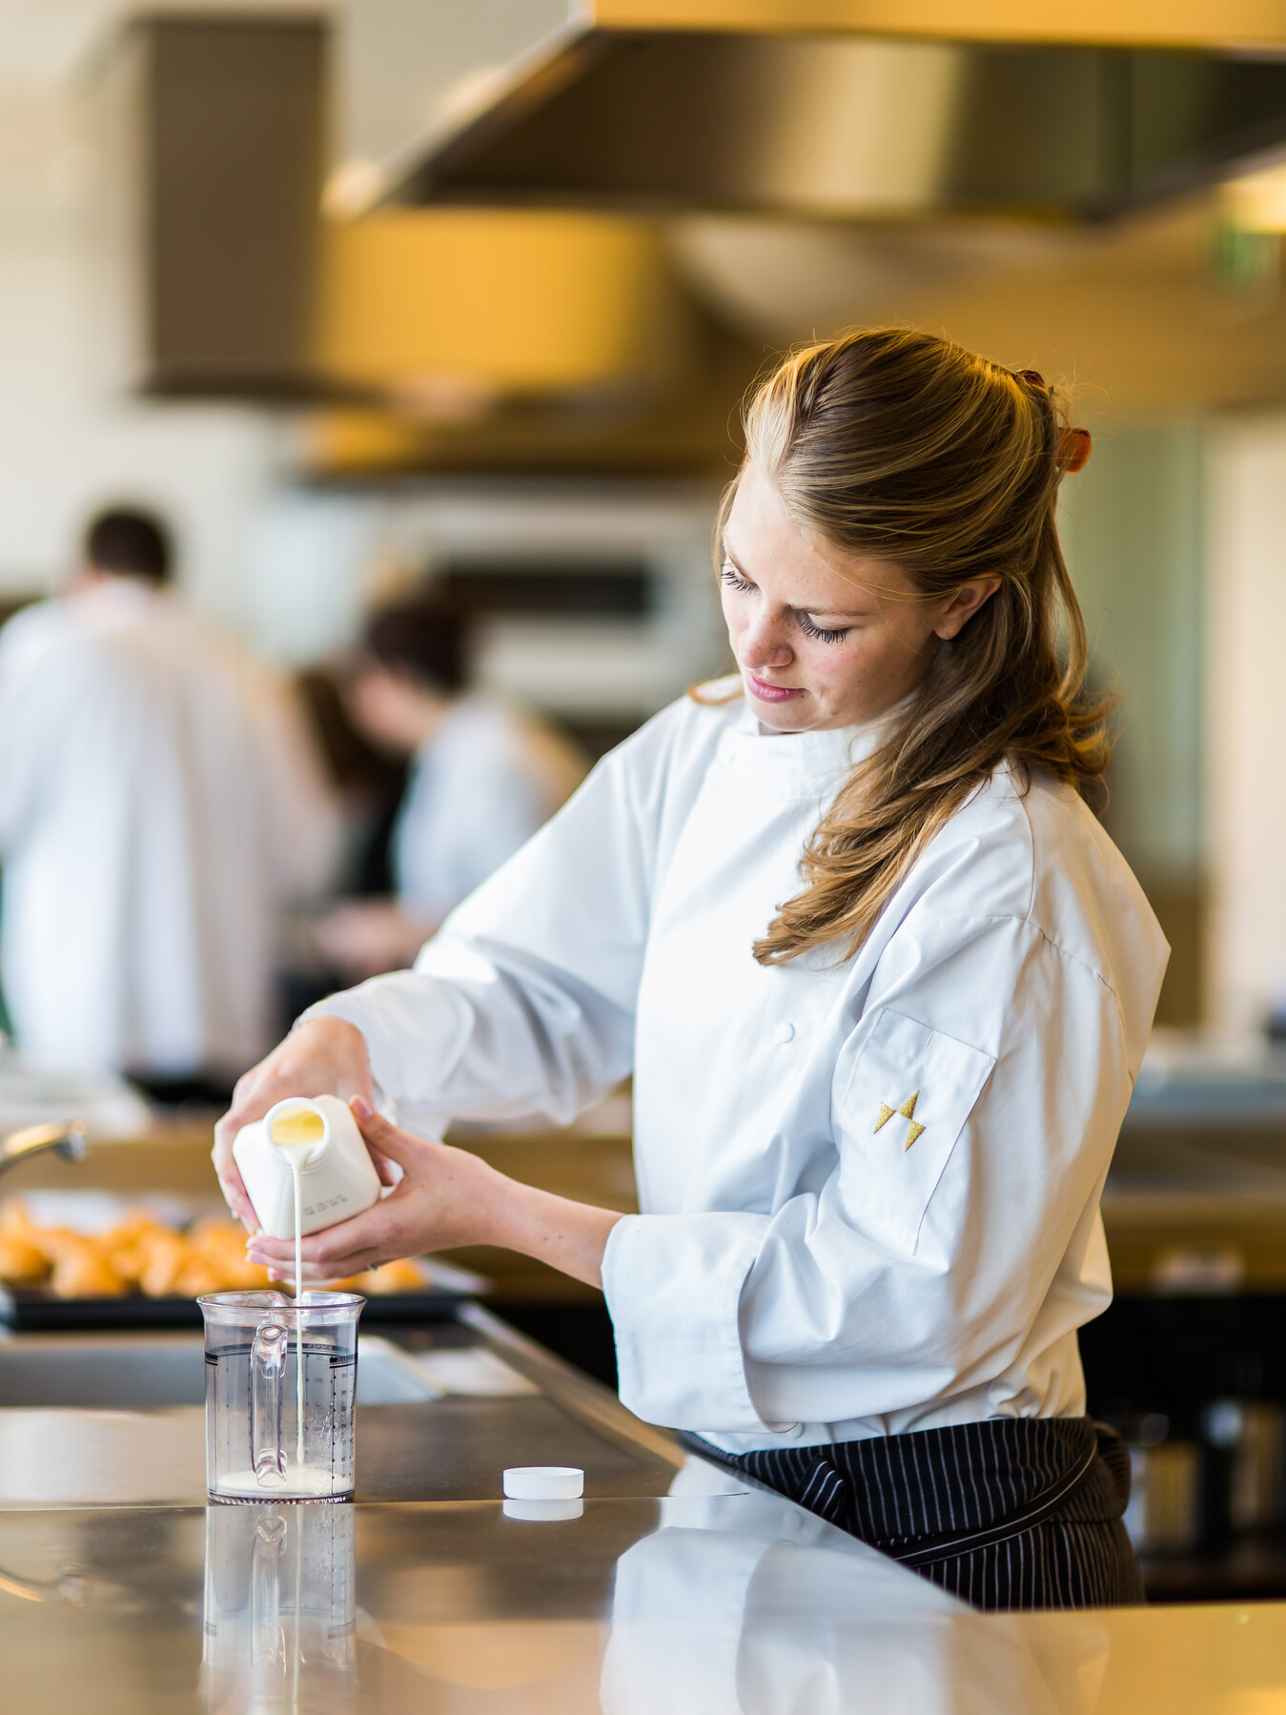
(718, 1605)
(685, 1605)
(695, 1602)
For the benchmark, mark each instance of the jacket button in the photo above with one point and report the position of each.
(785, 1033)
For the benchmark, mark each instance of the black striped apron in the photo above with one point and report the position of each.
(1009, 1513)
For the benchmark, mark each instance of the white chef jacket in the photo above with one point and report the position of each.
(479, 788)
(158, 803)
(869, 1189)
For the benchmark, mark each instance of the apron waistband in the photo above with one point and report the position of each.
(1042, 1506)
(934, 1493)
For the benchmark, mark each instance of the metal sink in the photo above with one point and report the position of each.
(128, 1372)
(117, 1419)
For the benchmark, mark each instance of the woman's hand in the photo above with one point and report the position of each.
(445, 1198)
(323, 1057)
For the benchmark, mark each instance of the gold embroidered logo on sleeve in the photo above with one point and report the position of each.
(907, 1110)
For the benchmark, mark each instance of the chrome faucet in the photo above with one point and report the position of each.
(69, 1141)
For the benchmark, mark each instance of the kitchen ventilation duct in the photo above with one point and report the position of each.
(839, 109)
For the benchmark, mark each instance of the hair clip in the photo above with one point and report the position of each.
(1074, 448)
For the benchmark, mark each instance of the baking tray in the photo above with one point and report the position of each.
(31, 1310)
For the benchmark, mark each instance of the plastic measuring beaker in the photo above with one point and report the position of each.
(280, 1383)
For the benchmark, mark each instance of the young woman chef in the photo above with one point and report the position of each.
(882, 981)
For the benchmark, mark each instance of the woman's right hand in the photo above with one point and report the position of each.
(321, 1057)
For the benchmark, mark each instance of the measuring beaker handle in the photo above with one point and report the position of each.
(267, 1367)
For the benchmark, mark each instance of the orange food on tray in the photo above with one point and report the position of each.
(401, 1276)
(138, 1254)
(141, 1254)
(21, 1262)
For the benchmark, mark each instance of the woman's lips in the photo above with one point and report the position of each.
(770, 693)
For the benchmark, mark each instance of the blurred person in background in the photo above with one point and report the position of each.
(160, 802)
(483, 778)
(366, 781)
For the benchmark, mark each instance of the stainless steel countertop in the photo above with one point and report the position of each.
(447, 1449)
(661, 1594)
(690, 1605)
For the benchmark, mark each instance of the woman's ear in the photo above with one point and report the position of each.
(961, 605)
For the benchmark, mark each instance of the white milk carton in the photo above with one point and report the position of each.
(313, 1139)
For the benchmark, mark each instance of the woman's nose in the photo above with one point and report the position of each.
(763, 645)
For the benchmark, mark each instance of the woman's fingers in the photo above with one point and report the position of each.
(271, 1251)
(363, 1235)
(314, 1277)
(384, 1138)
(234, 1195)
(339, 1263)
(389, 1171)
(230, 1181)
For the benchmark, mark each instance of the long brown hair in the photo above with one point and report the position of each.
(905, 447)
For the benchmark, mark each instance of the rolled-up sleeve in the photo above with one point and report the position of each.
(674, 1285)
(974, 1110)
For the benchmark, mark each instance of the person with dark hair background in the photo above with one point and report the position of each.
(129, 544)
(483, 779)
(160, 802)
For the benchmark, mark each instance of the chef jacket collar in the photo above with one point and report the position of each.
(120, 596)
(805, 757)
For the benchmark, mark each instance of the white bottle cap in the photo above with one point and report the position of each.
(544, 1483)
(543, 1512)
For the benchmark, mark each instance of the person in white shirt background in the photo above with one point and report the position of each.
(483, 779)
(882, 979)
(160, 802)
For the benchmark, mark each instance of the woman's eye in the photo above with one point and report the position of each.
(810, 630)
(734, 580)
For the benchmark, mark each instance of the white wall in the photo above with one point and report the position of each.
(1246, 715)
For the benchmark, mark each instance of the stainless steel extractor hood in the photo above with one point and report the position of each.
(841, 109)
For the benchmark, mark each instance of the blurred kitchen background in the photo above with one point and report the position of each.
(387, 296)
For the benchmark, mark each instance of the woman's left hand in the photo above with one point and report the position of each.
(446, 1198)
